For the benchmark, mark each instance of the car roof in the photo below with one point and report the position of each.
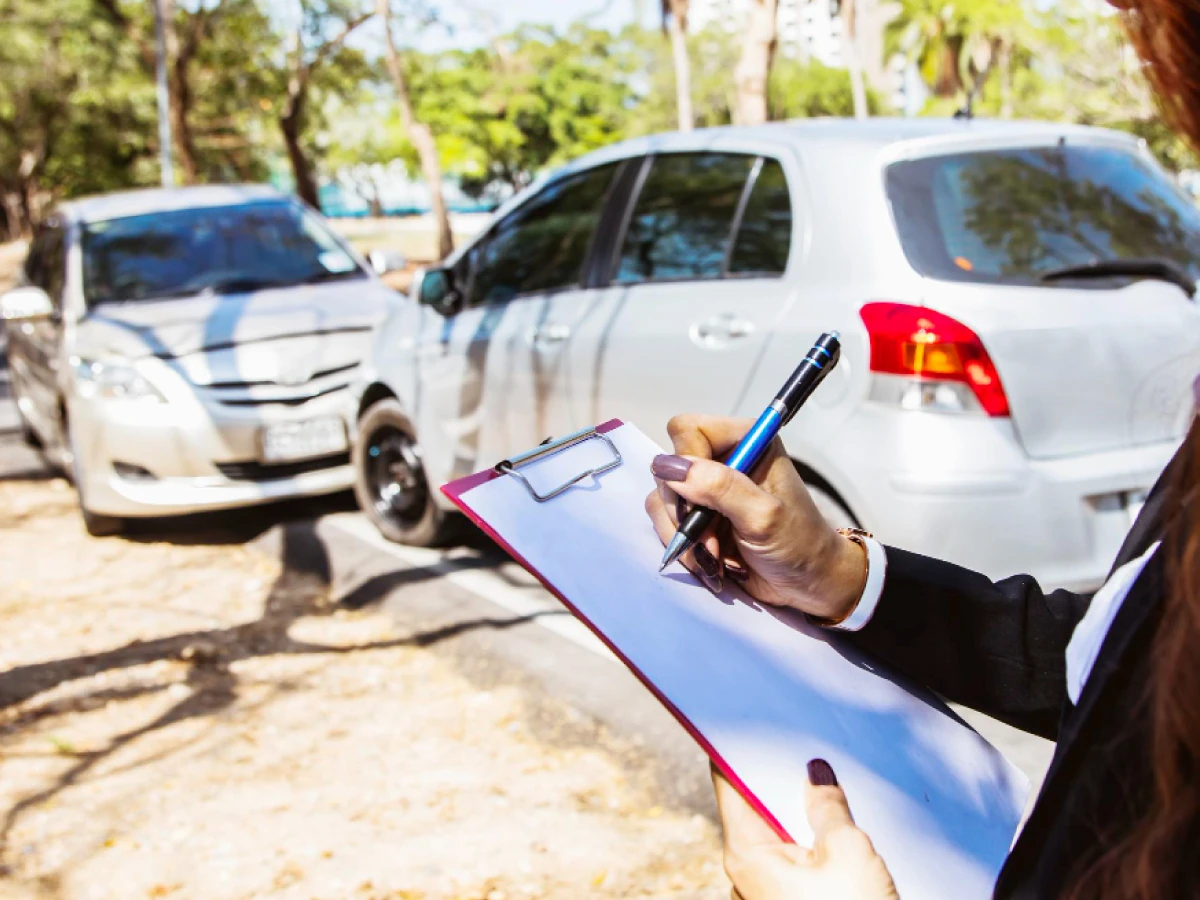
(152, 200)
(878, 132)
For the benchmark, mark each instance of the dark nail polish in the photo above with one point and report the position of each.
(681, 509)
(670, 467)
(820, 773)
(708, 568)
(706, 561)
(736, 572)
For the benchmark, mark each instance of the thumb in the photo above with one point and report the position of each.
(825, 801)
(751, 511)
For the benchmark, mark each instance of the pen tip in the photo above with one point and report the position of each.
(663, 567)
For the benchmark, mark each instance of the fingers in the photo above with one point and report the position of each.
(751, 511)
(704, 560)
(825, 802)
(708, 437)
(742, 826)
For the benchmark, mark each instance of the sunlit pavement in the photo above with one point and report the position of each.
(483, 611)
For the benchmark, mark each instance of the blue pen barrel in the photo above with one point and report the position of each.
(747, 454)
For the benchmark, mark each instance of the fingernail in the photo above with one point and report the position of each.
(1196, 393)
(670, 467)
(736, 572)
(820, 773)
(680, 509)
(710, 568)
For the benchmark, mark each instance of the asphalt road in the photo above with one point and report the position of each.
(487, 614)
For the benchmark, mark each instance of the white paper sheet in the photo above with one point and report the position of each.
(764, 689)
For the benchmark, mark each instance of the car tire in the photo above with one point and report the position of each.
(390, 481)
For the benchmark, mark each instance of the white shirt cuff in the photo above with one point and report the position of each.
(872, 590)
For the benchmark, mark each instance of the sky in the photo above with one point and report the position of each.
(470, 20)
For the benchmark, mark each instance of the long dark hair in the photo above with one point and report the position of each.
(1157, 859)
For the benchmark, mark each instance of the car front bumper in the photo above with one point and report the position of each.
(139, 458)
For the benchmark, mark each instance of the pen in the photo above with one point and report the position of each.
(812, 370)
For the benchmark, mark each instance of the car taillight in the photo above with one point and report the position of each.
(930, 346)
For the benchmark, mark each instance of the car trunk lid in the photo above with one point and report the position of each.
(1085, 369)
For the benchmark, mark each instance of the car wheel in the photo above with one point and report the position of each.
(834, 512)
(390, 481)
(96, 524)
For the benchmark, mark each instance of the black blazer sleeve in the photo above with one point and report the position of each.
(998, 647)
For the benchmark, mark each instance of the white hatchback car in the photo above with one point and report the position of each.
(1015, 303)
(190, 349)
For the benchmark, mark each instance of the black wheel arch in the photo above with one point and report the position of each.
(375, 392)
(813, 478)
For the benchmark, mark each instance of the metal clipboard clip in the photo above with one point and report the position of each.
(551, 446)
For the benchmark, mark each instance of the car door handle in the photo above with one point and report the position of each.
(549, 334)
(719, 330)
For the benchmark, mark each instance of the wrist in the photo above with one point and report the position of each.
(844, 577)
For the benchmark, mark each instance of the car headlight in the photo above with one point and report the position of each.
(114, 379)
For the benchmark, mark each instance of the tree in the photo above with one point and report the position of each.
(674, 18)
(71, 108)
(808, 90)
(503, 115)
(955, 43)
(848, 10)
(319, 35)
(418, 133)
(753, 68)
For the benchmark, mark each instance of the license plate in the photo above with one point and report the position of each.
(288, 441)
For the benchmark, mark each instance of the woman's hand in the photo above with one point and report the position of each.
(842, 864)
(773, 539)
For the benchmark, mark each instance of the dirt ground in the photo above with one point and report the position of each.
(188, 720)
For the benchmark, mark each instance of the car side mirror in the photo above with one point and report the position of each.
(384, 261)
(435, 288)
(26, 303)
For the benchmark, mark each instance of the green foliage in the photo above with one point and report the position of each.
(798, 91)
(74, 113)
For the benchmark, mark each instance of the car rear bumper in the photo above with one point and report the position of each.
(961, 489)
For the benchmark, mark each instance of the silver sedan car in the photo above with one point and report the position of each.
(191, 349)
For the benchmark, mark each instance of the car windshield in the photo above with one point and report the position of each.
(220, 249)
(1012, 216)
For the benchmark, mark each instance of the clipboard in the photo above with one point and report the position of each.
(760, 689)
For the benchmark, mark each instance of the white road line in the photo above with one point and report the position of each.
(482, 583)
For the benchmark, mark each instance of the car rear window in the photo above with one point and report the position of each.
(1010, 216)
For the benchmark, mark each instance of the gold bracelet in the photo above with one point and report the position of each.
(857, 536)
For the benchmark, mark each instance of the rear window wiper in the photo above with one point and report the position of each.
(1159, 269)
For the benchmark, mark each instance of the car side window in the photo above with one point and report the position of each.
(541, 245)
(681, 224)
(764, 236)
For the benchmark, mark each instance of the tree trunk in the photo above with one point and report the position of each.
(858, 88)
(18, 228)
(418, 134)
(180, 92)
(306, 185)
(754, 66)
(677, 30)
(1006, 85)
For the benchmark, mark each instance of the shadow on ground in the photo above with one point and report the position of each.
(302, 590)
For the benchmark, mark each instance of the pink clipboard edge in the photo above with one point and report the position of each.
(455, 491)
